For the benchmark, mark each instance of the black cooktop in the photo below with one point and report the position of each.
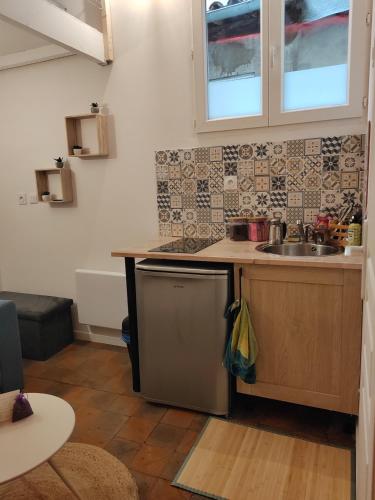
(185, 245)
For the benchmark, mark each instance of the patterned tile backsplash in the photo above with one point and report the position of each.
(199, 189)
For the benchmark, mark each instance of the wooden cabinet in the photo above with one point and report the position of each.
(308, 325)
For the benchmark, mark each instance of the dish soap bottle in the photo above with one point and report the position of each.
(355, 230)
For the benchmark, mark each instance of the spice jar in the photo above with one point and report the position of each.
(258, 229)
(322, 221)
(238, 228)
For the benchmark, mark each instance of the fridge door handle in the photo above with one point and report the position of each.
(180, 269)
(195, 276)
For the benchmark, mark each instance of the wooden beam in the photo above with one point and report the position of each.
(56, 25)
(33, 56)
(107, 31)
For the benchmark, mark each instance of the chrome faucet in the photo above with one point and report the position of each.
(301, 231)
(309, 232)
(321, 236)
(304, 231)
(318, 235)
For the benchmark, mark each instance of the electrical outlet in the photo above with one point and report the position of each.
(21, 198)
(33, 198)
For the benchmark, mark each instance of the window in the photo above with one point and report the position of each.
(234, 67)
(315, 56)
(270, 62)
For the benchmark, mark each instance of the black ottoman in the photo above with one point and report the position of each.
(45, 323)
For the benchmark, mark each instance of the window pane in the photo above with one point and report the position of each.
(316, 53)
(233, 58)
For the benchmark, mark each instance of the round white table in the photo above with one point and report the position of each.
(29, 442)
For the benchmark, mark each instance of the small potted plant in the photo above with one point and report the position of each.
(77, 150)
(59, 162)
(46, 196)
(94, 107)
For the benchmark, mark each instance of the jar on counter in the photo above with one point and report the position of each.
(258, 229)
(238, 228)
(322, 221)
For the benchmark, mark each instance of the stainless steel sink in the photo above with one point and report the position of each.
(299, 249)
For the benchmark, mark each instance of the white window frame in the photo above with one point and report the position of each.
(272, 39)
(202, 123)
(358, 60)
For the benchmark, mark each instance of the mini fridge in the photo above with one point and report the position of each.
(182, 333)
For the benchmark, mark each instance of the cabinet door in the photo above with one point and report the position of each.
(307, 323)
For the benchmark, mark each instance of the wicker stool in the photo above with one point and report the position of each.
(76, 471)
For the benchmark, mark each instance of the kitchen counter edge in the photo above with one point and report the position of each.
(243, 252)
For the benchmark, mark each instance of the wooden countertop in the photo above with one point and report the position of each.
(240, 252)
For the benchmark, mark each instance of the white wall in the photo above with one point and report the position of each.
(148, 90)
(87, 11)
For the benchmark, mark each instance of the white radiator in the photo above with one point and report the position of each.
(101, 298)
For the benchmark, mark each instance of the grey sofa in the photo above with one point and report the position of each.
(11, 369)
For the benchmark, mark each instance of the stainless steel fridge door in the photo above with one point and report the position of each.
(182, 335)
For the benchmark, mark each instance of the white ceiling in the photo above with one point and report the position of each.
(15, 39)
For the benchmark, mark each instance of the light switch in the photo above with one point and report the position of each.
(230, 183)
(21, 198)
(33, 198)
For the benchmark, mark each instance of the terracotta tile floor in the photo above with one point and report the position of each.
(153, 440)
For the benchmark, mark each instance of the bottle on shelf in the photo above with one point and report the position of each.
(355, 229)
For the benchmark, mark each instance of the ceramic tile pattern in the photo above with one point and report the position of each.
(199, 189)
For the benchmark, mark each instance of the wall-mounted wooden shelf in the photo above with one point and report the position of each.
(75, 135)
(65, 184)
